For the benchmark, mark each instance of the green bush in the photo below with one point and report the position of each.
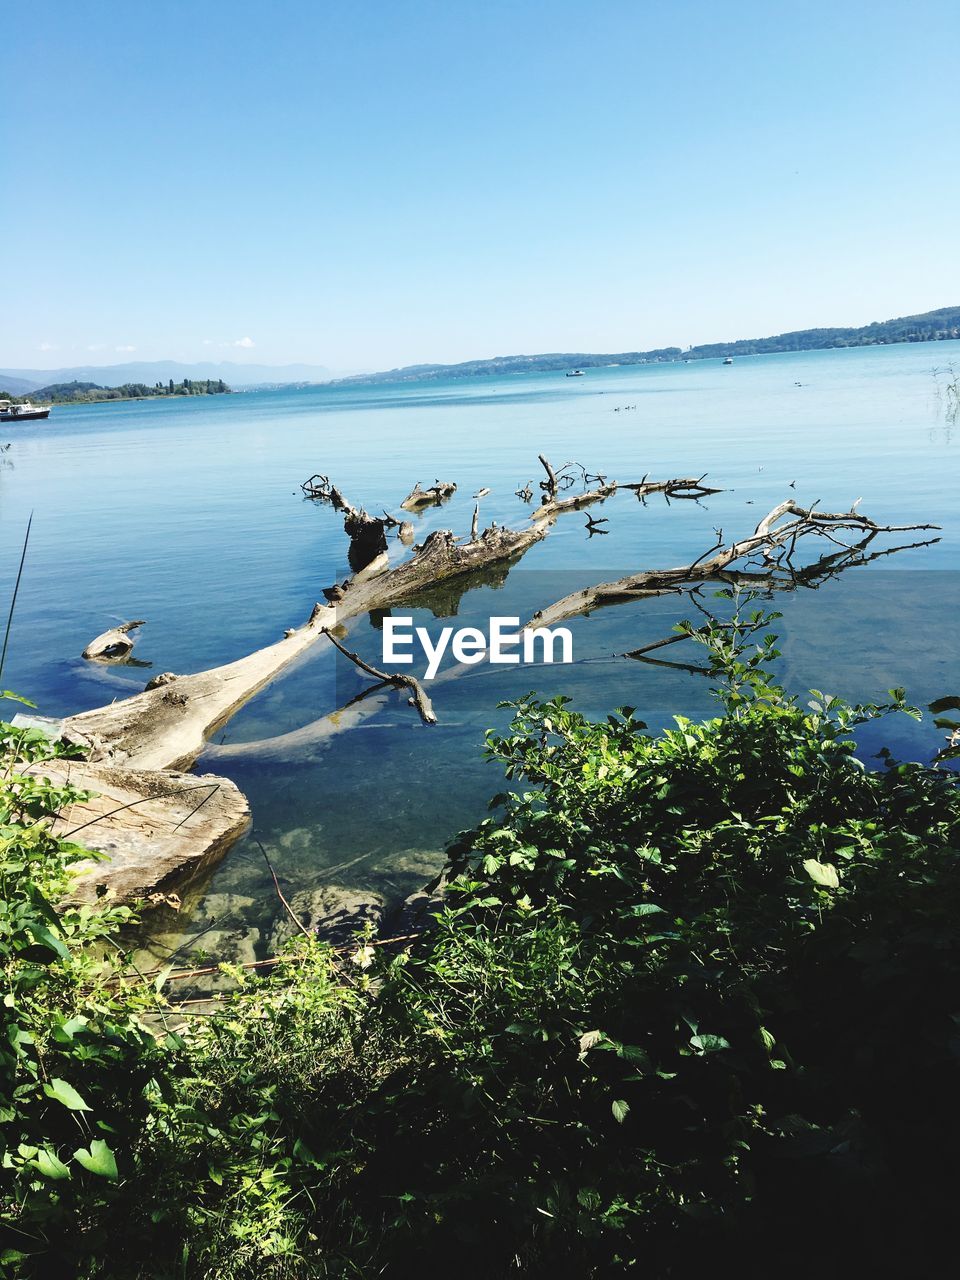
(692, 1003)
(74, 1054)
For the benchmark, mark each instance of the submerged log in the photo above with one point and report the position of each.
(166, 727)
(366, 532)
(419, 498)
(113, 645)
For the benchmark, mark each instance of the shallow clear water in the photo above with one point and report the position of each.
(188, 513)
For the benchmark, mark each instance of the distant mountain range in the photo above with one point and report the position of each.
(931, 326)
(23, 381)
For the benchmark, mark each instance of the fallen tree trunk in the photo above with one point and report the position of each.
(167, 727)
(686, 580)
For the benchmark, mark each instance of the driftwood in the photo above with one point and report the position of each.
(154, 827)
(689, 489)
(113, 645)
(779, 573)
(366, 533)
(167, 725)
(774, 541)
(418, 698)
(419, 498)
(781, 576)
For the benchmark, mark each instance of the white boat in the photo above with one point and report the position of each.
(10, 412)
(728, 360)
(575, 373)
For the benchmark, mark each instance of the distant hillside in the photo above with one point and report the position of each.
(931, 326)
(17, 386)
(150, 372)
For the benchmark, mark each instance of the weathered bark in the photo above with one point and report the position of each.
(366, 532)
(418, 697)
(154, 827)
(113, 645)
(773, 540)
(419, 498)
(165, 727)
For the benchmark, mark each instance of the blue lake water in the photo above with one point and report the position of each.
(189, 513)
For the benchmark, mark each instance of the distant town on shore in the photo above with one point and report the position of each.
(137, 380)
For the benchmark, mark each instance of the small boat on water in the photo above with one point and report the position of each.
(728, 360)
(10, 412)
(575, 373)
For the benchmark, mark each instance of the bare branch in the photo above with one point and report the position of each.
(276, 884)
(774, 540)
(419, 697)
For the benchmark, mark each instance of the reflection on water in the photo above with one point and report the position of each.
(189, 514)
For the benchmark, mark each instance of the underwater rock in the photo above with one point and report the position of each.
(334, 912)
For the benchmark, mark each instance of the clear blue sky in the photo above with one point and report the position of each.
(365, 183)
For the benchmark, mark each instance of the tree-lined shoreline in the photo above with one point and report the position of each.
(931, 326)
(93, 392)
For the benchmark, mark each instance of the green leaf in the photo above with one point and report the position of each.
(15, 697)
(60, 1091)
(46, 938)
(709, 1044)
(162, 977)
(50, 1165)
(303, 1153)
(822, 873)
(620, 1110)
(766, 1039)
(99, 1159)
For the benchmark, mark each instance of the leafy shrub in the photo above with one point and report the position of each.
(74, 1054)
(692, 1002)
(731, 999)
